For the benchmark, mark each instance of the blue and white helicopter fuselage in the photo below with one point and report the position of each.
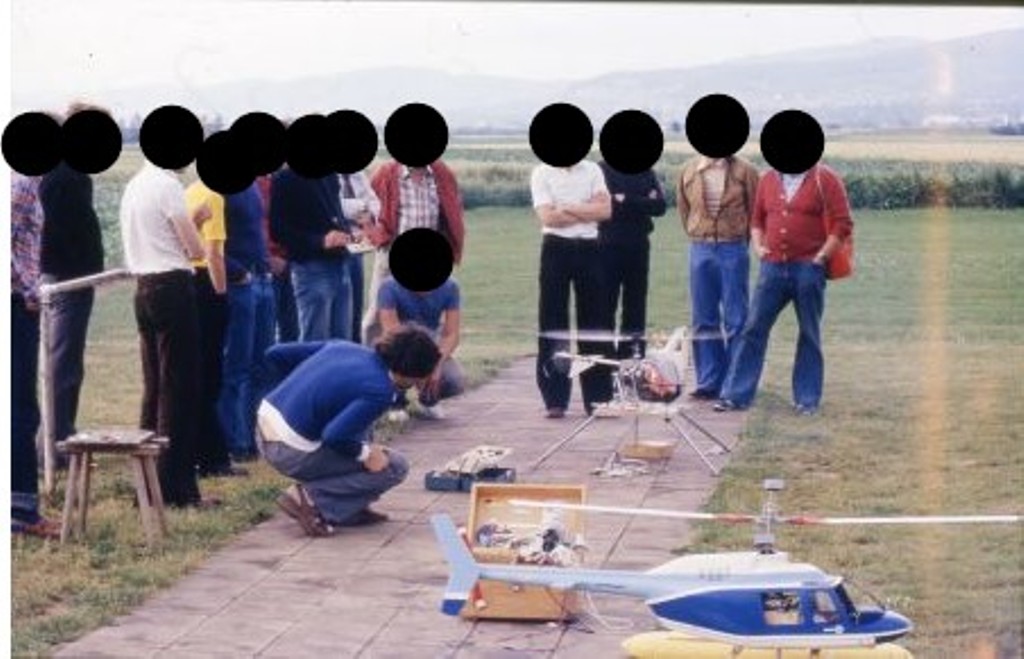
(746, 599)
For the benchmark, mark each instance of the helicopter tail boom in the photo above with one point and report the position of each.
(464, 570)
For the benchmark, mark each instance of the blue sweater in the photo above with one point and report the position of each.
(246, 248)
(330, 391)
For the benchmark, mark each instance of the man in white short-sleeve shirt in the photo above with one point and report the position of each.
(160, 239)
(570, 201)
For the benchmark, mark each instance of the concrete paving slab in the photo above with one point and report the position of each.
(376, 592)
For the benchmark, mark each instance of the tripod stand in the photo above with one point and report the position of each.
(628, 380)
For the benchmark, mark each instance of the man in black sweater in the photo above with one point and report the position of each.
(626, 251)
(306, 219)
(72, 247)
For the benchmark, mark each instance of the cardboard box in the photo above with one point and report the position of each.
(499, 600)
(647, 450)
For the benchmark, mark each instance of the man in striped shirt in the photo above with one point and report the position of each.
(411, 198)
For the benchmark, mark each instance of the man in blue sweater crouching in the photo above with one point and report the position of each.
(316, 423)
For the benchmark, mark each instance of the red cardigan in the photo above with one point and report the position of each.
(796, 230)
(385, 184)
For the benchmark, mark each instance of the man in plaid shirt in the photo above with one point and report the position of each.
(26, 236)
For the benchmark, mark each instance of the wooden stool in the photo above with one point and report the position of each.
(143, 447)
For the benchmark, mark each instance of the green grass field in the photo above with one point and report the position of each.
(922, 415)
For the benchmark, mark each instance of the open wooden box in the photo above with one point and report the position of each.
(499, 600)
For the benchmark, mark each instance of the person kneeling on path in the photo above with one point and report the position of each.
(438, 311)
(315, 425)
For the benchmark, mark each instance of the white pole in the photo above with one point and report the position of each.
(46, 392)
(49, 421)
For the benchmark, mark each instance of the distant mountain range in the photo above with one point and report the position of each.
(893, 83)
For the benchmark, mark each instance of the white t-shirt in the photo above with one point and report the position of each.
(567, 185)
(152, 200)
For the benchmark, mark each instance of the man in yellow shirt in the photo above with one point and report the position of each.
(212, 458)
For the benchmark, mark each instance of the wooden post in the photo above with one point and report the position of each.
(74, 462)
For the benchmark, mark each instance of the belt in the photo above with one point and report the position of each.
(716, 241)
(166, 275)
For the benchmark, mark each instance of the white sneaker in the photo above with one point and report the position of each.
(433, 412)
(398, 416)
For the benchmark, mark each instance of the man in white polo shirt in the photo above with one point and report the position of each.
(160, 239)
(570, 201)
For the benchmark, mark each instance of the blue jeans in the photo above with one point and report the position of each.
(323, 297)
(284, 307)
(354, 264)
(453, 383)
(68, 326)
(249, 333)
(24, 412)
(778, 284)
(339, 485)
(719, 274)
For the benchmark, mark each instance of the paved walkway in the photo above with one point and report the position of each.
(376, 592)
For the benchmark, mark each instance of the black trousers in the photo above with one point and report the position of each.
(626, 266)
(166, 315)
(212, 309)
(572, 264)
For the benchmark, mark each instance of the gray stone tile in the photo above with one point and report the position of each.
(100, 646)
(376, 592)
(520, 636)
(236, 635)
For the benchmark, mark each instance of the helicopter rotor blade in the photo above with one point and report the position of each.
(590, 360)
(594, 336)
(639, 512)
(800, 520)
(807, 520)
(605, 336)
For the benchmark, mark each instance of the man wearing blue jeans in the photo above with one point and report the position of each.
(315, 425)
(361, 208)
(26, 231)
(789, 233)
(715, 197)
(250, 328)
(306, 219)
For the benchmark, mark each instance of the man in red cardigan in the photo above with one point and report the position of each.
(411, 198)
(788, 232)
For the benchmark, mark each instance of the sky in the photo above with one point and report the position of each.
(75, 47)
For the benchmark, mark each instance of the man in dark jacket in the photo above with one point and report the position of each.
(626, 251)
(72, 247)
(306, 219)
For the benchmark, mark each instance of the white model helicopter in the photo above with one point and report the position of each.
(642, 385)
(757, 599)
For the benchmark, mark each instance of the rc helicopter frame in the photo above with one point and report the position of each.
(755, 599)
(641, 386)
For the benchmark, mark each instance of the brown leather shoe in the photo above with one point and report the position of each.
(47, 529)
(295, 503)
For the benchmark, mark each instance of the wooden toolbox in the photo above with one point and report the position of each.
(499, 600)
